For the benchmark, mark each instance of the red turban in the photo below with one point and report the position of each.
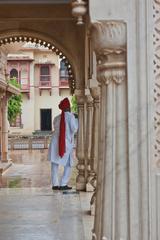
(64, 104)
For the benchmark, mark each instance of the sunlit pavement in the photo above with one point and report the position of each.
(29, 209)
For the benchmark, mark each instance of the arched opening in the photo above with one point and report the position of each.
(64, 74)
(18, 69)
(69, 52)
(14, 73)
(38, 40)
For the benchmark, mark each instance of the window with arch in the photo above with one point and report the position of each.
(64, 76)
(14, 74)
(44, 73)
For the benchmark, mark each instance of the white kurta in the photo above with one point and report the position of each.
(71, 128)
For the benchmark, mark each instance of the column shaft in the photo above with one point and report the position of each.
(81, 179)
(4, 130)
(94, 149)
(0, 128)
(88, 144)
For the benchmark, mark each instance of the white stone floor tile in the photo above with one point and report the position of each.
(30, 210)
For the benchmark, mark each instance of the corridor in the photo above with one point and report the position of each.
(29, 209)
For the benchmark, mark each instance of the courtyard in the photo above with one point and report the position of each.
(30, 209)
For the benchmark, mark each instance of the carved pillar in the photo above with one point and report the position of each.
(88, 144)
(4, 129)
(94, 149)
(81, 179)
(111, 217)
(1, 126)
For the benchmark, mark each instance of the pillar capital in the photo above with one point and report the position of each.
(108, 37)
(109, 44)
(89, 100)
(80, 96)
(95, 93)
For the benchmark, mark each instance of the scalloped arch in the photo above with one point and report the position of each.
(46, 41)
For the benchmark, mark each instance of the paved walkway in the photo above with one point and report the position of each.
(29, 209)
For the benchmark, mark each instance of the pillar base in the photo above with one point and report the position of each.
(4, 166)
(81, 186)
(93, 209)
(93, 204)
(89, 187)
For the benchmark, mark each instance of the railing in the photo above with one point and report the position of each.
(63, 81)
(25, 87)
(45, 78)
(29, 142)
(45, 84)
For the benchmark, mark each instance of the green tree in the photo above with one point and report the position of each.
(74, 106)
(14, 103)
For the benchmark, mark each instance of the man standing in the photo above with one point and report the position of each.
(61, 146)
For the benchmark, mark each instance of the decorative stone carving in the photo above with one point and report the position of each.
(109, 41)
(111, 72)
(156, 42)
(156, 163)
(108, 37)
(78, 10)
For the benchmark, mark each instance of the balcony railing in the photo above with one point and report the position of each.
(25, 88)
(45, 84)
(44, 78)
(63, 81)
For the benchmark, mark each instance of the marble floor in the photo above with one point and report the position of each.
(29, 209)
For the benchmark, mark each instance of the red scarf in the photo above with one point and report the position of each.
(64, 104)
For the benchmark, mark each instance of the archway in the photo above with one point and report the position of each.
(40, 39)
(36, 38)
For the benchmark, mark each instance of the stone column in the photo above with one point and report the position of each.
(112, 212)
(81, 179)
(5, 129)
(88, 144)
(0, 126)
(94, 148)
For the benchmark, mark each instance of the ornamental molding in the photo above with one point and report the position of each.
(89, 100)
(95, 93)
(111, 72)
(116, 76)
(109, 43)
(80, 96)
(109, 37)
